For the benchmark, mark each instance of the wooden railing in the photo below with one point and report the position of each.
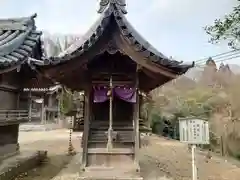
(8, 115)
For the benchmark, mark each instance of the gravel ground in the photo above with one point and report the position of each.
(171, 158)
(161, 160)
(56, 143)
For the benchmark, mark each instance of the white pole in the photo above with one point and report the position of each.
(194, 169)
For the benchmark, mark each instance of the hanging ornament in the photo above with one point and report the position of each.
(109, 93)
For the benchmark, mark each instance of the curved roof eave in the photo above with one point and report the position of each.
(132, 36)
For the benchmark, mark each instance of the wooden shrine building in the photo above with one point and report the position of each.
(44, 104)
(112, 65)
(19, 46)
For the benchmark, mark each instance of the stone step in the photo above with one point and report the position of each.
(95, 176)
(110, 173)
(92, 177)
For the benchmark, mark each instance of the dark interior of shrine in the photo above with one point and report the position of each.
(122, 70)
(122, 111)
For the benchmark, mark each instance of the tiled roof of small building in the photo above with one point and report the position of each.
(224, 68)
(18, 40)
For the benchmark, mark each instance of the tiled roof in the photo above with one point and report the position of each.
(18, 40)
(116, 10)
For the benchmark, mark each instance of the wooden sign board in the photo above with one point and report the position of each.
(194, 131)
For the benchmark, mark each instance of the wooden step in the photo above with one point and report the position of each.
(120, 136)
(114, 128)
(103, 141)
(112, 151)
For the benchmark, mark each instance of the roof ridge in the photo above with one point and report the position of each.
(29, 21)
(17, 19)
(18, 39)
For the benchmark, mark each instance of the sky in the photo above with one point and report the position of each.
(174, 27)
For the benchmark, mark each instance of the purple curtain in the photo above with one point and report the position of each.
(100, 94)
(125, 93)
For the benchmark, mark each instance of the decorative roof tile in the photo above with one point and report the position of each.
(18, 40)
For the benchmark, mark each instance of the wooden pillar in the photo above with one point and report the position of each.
(48, 116)
(90, 106)
(49, 106)
(47, 112)
(136, 121)
(50, 102)
(87, 99)
(110, 129)
(30, 106)
(149, 112)
(17, 137)
(60, 115)
(58, 109)
(18, 101)
(42, 111)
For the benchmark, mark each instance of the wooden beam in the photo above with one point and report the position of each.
(11, 68)
(8, 88)
(114, 82)
(151, 74)
(97, 74)
(65, 73)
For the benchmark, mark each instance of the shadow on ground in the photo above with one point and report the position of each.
(54, 164)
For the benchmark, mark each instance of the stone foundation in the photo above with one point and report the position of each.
(24, 161)
(8, 140)
(103, 173)
(8, 150)
(72, 172)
